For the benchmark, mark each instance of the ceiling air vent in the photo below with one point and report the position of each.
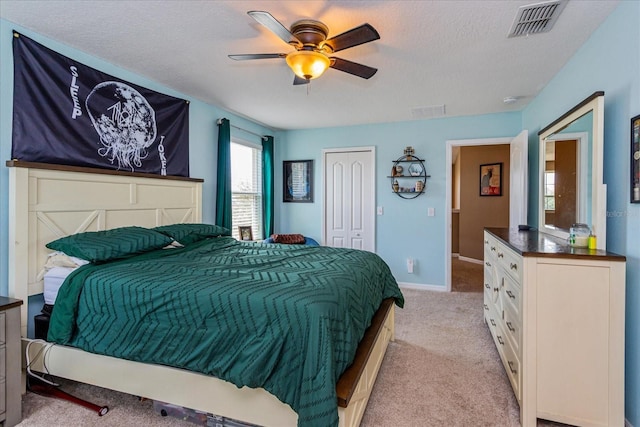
(536, 18)
(428, 112)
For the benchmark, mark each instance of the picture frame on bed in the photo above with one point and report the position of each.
(297, 181)
(491, 179)
(635, 159)
(245, 233)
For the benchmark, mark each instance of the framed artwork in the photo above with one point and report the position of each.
(245, 233)
(635, 159)
(297, 181)
(491, 179)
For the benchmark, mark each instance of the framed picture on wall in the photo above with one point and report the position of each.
(245, 233)
(491, 179)
(635, 159)
(297, 181)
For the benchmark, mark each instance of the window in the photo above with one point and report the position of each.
(246, 188)
(549, 191)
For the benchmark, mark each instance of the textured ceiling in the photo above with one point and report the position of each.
(430, 53)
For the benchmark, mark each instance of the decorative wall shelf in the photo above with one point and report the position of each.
(408, 176)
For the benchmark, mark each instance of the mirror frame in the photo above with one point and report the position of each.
(595, 104)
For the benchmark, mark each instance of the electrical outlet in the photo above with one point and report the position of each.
(409, 265)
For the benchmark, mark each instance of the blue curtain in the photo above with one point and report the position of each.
(267, 185)
(223, 189)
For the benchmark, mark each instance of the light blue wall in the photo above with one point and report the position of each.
(609, 61)
(203, 131)
(405, 230)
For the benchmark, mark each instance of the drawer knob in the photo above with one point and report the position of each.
(496, 289)
(510, 326)
(513, 371)
(486, 307)
(487, 263)
(493, 248)
(493, 322)
(486, 242)
(511, 295)
(486, 285)
(500, 340)
(513, 266)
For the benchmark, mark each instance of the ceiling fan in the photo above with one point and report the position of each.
(311, 57)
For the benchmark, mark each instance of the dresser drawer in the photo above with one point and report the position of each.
(493, 320)
(511, 262)
(511, 294)
(3, 337)
(513, 329)
(512, 366)
(3, 380)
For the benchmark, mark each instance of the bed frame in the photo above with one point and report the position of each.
(50, 201)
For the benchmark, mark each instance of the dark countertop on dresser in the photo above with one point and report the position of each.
(7, 303)
(535, 244)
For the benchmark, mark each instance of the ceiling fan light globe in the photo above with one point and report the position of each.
(308, 64)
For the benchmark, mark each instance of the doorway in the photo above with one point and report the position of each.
(515, 179)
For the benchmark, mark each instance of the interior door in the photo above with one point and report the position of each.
(566, 182)
(519, 190)
(349, 213)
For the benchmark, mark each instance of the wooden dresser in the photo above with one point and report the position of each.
(10, 362)
(556, 314)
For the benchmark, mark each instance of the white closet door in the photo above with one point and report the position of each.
(349, 199)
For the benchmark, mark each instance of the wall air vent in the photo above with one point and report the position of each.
(536, 18)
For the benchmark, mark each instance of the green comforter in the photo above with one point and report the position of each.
(284, 318)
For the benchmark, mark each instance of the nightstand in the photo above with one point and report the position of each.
(10, 361)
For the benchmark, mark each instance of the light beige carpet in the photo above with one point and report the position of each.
(442, 370)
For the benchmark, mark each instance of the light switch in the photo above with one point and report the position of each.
(431, 212)
(380, 210)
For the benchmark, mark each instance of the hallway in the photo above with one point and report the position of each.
(466, 276)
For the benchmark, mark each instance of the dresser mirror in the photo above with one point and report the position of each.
(570, 167)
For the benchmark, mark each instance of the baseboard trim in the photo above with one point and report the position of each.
(467, 259)
(422, 287)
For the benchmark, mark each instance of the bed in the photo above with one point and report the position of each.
(47, 203)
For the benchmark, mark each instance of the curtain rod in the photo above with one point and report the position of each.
(262, 137)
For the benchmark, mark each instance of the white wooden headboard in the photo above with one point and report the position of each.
(51, 201)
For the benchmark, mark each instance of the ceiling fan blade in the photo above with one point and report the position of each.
(300, 81)
(244, 57)
(266, 19)
(354, 68)
(354, 37)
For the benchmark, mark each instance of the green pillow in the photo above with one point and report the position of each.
(189, 233)
(100, 246)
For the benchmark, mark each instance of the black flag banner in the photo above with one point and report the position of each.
(65, 112)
